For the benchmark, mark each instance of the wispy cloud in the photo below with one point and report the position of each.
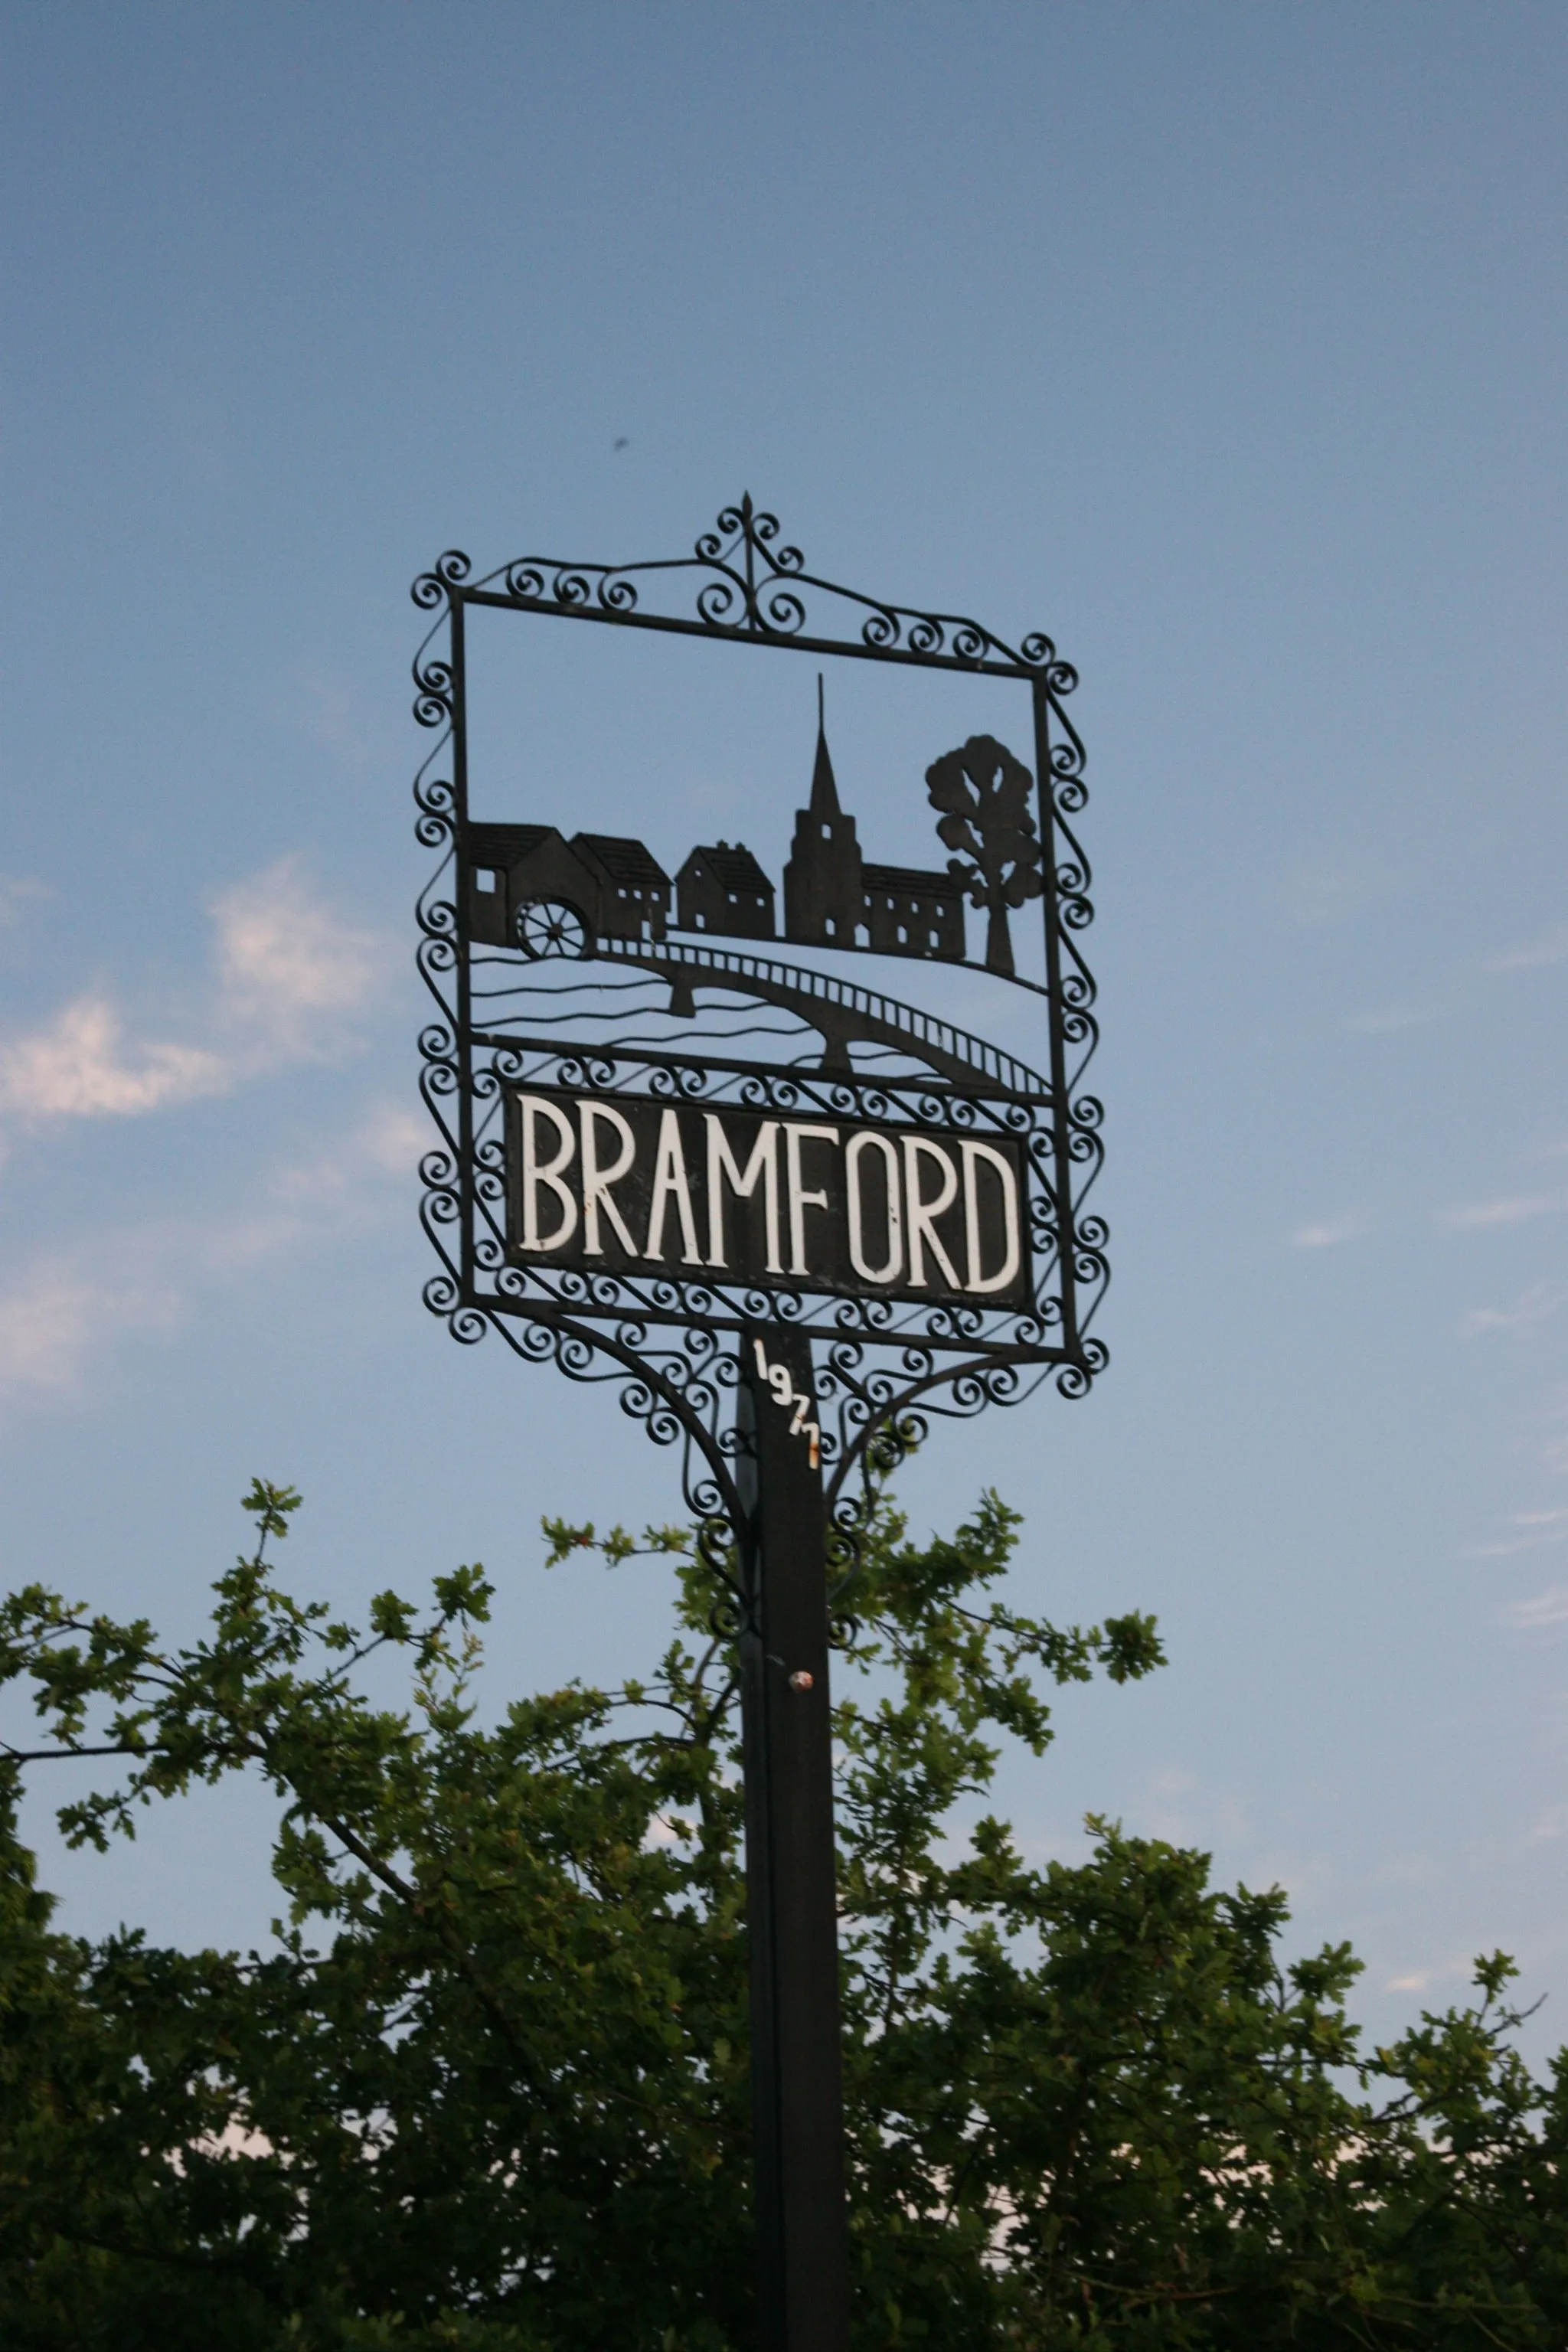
(1552, 948)
(1512, 1209)
(60, 1311)
(58, 1315)
(1329, 1232)
(339, 1190)
(288, 975)
(1528, 1531)
(79, 1067)
(1547, 1608)
(291, 970)
(1532, 1305)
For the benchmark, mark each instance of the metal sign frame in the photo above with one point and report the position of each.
(673, 1343)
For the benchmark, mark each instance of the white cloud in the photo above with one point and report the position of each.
(1331, 1231)
(78, 1067)
(1416, 1981)
(1531, 1530)
(1513, 1209)
(54, 1320)
(63, 1310)
(1532, 1305)
(336, 1191)
(289, 974)
(287, 965)
(1547, 1608)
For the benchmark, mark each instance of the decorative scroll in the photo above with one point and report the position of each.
(741, 580)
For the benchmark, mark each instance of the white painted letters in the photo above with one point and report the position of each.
(923, 1213)
(627, 1181)
(669, 1177)
(976, 1280)
(796, 1134)
(868, 1140)
(722, 1166)
(597, 1180)
(533, 1108)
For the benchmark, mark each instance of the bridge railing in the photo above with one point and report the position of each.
(887, 1013)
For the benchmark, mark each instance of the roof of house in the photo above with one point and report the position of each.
(627, 864)
(503, 845)
(732, 866)
(911, 882)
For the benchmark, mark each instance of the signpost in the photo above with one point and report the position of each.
(787, 1246)
(803, 2249)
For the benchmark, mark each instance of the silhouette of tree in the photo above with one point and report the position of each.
(986, 792)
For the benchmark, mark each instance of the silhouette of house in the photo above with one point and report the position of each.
(723, 889)
(910, 912)
(510, 863)
(634, 892)
(616, 886)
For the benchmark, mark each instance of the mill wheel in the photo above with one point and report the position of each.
(551, 927)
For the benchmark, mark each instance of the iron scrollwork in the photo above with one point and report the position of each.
(541, 978)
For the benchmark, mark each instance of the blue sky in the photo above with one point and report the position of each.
(1227, 345)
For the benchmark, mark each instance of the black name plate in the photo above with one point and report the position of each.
(632, 1185)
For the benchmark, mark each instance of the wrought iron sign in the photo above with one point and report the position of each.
(952, 1262)
(681, 1151)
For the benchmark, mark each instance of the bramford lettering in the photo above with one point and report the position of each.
(635, 1185)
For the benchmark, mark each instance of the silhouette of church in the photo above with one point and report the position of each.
(825, 896)
(834, 898)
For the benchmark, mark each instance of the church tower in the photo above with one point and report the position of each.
(824, 897)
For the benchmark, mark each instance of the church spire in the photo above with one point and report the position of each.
(824, 789)
(824, 897)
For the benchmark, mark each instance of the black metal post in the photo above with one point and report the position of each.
(791, 1887)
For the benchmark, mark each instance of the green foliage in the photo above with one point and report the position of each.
(489, 2090)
